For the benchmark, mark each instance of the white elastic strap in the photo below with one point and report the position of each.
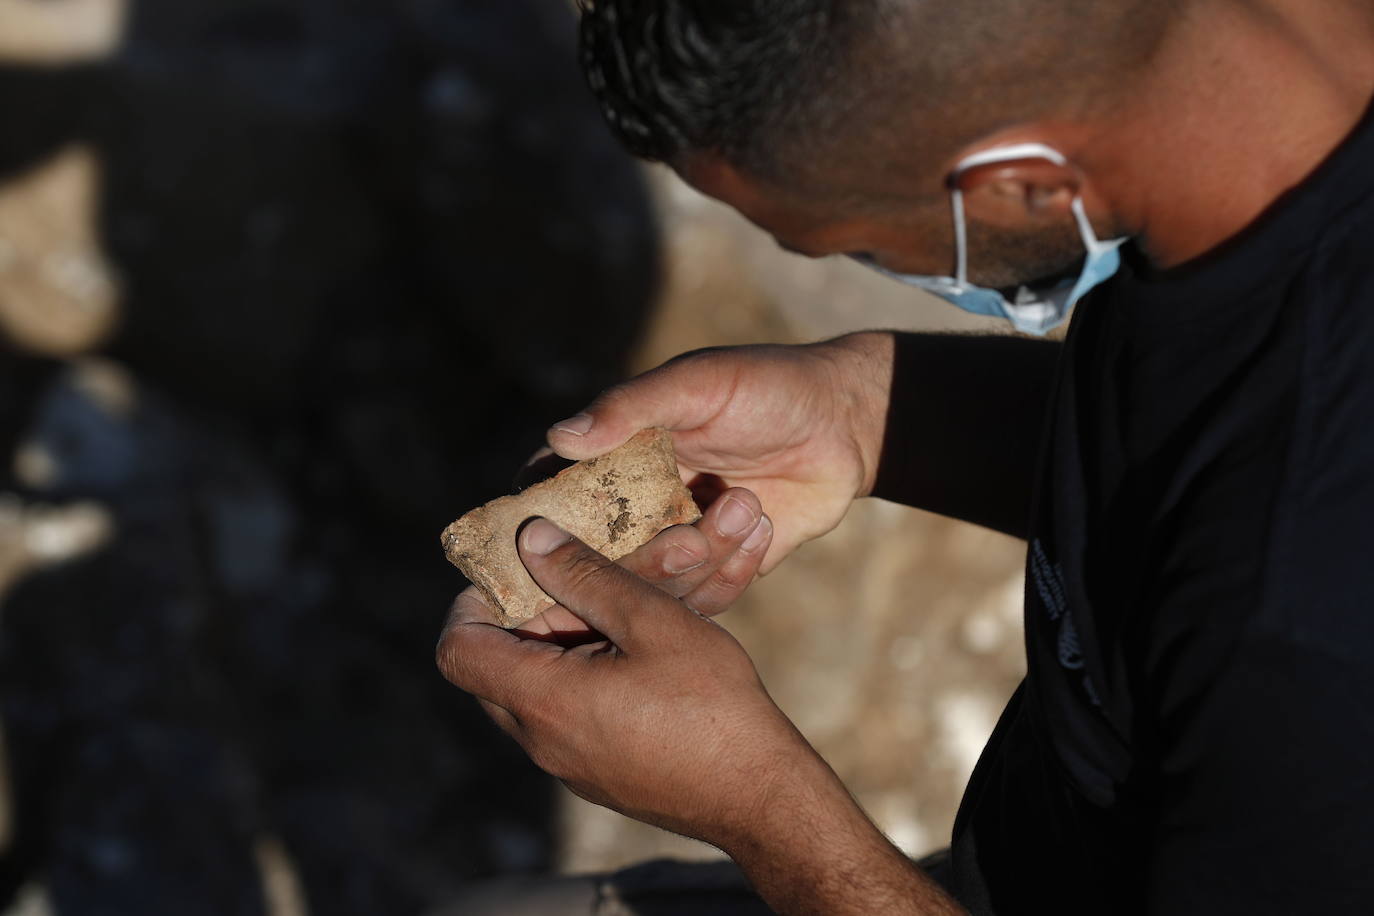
(987, 157)
(1085, 227)
(1011, 154)
(960, 237)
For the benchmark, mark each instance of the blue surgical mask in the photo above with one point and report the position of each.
(1034, 310)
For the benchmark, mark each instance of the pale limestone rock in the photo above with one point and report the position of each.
(66, 32)
(59, 293)
(615, 504)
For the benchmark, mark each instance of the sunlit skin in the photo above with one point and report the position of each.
(663, 718)
(911, 230)
(1181, 164)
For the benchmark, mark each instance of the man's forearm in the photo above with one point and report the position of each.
(964, 425)
(816, 852)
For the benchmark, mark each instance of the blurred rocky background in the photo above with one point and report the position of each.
(287, 285)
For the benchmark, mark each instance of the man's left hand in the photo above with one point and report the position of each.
(664, 720)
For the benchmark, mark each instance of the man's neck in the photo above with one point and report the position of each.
(1244, 103)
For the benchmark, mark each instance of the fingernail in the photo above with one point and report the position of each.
(759, 537)
(680, 560)
(579, 425)
(542, 537)
(735, 518)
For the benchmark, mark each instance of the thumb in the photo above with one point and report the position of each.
(681, 395)
(614, 601)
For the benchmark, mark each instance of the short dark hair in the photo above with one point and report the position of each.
(777, 86)
(727, 76)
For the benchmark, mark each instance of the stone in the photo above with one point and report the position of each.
(615, 504)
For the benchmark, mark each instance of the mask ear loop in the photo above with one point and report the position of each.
(986, 157)
(956, 196)
(1085, 227)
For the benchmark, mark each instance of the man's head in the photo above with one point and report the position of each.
(834, 124)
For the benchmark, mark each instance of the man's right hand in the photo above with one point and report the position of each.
(800, 426)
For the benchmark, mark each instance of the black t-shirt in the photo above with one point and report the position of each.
(1196, 730)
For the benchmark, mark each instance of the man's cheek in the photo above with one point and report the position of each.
(1006, 258)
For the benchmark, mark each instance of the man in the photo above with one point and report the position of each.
(1192, 735)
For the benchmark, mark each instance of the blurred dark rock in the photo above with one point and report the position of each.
(370, 249)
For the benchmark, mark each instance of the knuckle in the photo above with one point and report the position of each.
(656, 572)
(539, 735)
(702, 605)
(449, 660)
(700, 355)
(500, 716)
(544, 757)
(469, 606)
(648, 562)
(537, 719)
(732, 577)
(718, 592)
(678, 557)
(612, 398)
(583, 568)
(690, 539)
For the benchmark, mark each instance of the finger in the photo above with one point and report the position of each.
(476, 655)
(679, 564)
(609, 598)
(730, 520)
(469, 607)
(728, 581)
(674, 560)
(681, 395)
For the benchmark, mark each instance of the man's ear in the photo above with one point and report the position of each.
(1019, 194)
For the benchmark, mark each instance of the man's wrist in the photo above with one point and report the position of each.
(812, 850)
(802, 805)
(862, 386)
